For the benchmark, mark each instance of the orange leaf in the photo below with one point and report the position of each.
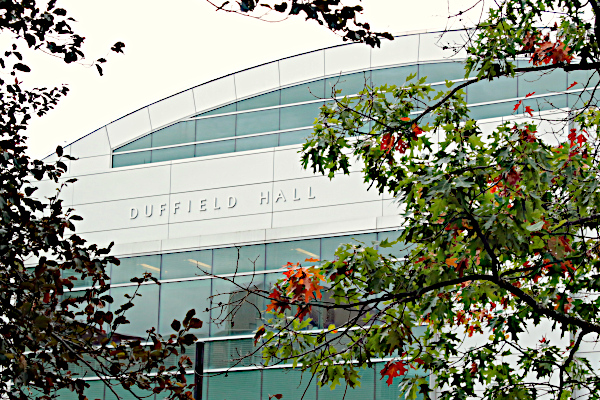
(312, 259)
(404, 119)
(451, 262)
(392, 370)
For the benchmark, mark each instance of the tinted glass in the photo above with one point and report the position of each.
(227, 353)
(492, 110)
(209, 149)
(497, 89)
(257, 142)
(142, 317)
(441, 71)
(546, 103)
(221, 110)
(294, 137)
(124, 160)
(299, 116)
(187, 264)
(181, 132)
(364, 392)
(173, 153)
(579, 99)
(257, 122)
(135, 267)
(391, 392)
(235, 310)
(392, 76)
(305, 92)
(398, 250)
(247, 386)
(239, 259)
(348, 84)
(329, 245)
(264, 100)
(290, 383)
(176, 298)
(215, 128)
(125, 394)
(279, 254)
(583, 79)
(141, 143)
(541, 82)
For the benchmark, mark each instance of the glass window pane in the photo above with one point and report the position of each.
(492, 110)
(279, 254)
(392, 76)
(579, 99)
(141, 143)
(78, 282)
(264, 100)
(144, 314)
(257, 142)
(187, 264)
(135, 267)
(398, 250)
(235, 385)
(235, 311)
(290, 383)
(173, 153)
(364, 392)
(546, 103)
(257, 122)
(176, 298)
(227, 353)
(349, 84)
(305, 92)
(221, 110)
(125, 394)
(294, 137)
(181, 132)
(239, 259)
(392, 392)
(215, 128)
(497, 89)
(441, 71)
(330, 245)
(583, 79)
(299, 116)
(209, 149)
(541, 82)
(124, 160)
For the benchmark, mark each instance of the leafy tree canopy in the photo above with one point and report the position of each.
(500, 229)
(47, 333)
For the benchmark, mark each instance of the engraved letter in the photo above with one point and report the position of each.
(280, 196)
(149, 214)
(264, 198)
(190, 206)
(133, 213)
(232, 201)
(176, 207)
(216, 207)
(203, 205)
(310, 195)
(296, 198)
(163, 208)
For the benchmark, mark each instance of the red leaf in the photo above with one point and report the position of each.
(571, 85)
(581, 139)
(387, 141)
(529, 94)
(529, 110)
(405, 119)
(517, 105)
(393, 370)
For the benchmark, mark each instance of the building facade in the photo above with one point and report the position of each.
(209, 180)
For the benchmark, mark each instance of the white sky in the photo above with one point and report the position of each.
(174, 45)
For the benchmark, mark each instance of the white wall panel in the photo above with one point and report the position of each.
(48, 188)
(401, 50)
(153, 246)
(391, 207)
(129, 127)
(94, 144)
(214, 93)
(222, 172)
(343, 212)
(319, 191)
(221, 225)
(189, 242)
(256, 80)
(171, 109)
(122, 184)
(302, 68)
(148, 233)
(233, 238)
(347, 58)
(89, 165)
(220, 203)
(389, 221)
(321, 229)
(287, 165)
(123, 214)
(431, 46)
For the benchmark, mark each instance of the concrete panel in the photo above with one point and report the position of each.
(94, 144)
(287, 165)
(222, 172)
(233, 238)
(431, 46)
(123, 214)
(389, 221)
(392, 208)
(256, 80)
(220, 203)
(402, 50)
(302, 68)
(221, 225)
(190, 242)
(136, 248)
(122, 184)
(347, 58)
(129, 127)
(171, 109)
(90, 165)
(321, 229)
(371, 209)
(214, 93)
(141, 234)
(48, 188)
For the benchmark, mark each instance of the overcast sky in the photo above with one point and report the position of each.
(174, 45)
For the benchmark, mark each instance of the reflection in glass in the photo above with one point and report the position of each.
(497, 89)
(195, 294)
(279, 254)
(187, 264)
(135, 267)
(145, 313)
(246, 387)
(291, 384)
(392, 76)
(441, 71)
(299, 116)
(239, 259)
(228, 353)
(330, 245)
(235, 310)
(125, 160)
(541, 82)
(305, 92)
